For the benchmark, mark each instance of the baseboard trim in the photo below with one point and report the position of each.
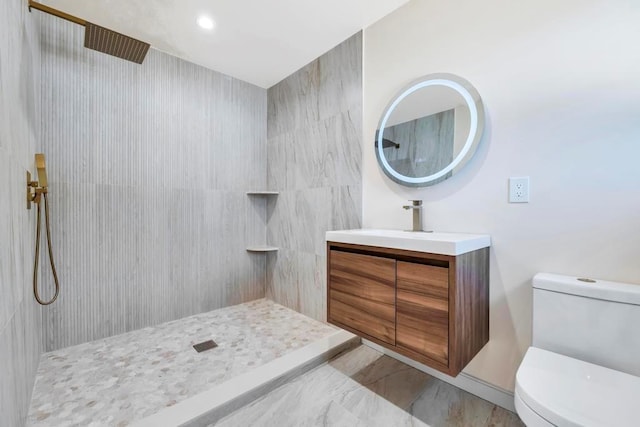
(482, 389)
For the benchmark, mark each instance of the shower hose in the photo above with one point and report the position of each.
(35, 263)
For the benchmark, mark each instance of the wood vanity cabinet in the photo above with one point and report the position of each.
(429, 307)
(363, 294)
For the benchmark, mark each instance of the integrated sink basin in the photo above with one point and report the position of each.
(435, 243)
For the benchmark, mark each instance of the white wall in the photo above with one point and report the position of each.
(561, 87)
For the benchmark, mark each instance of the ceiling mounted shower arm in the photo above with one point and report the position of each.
(55, 12)
(102, 39)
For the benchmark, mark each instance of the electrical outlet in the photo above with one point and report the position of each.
(519, 189)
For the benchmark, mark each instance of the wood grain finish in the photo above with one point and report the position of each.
(369, 277)
(367, 318)
(423, 309)
(441, 302)
(427, 334)
(469, 307)
(362, 293)
(400, 254)
(425, 279)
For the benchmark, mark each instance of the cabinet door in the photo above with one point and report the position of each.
(362, 294)
(423, 310)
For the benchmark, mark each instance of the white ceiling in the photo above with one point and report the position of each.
(258, 41)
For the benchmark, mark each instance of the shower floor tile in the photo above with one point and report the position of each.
(117, 380)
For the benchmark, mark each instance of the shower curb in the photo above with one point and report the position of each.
(212, 405)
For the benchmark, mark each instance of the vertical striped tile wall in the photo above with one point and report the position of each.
(314, 160)
(148, 168)
(20, 323)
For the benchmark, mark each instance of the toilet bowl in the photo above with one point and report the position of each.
(582, 369)
(556, 390)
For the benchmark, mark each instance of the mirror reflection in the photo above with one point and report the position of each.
(429, 131)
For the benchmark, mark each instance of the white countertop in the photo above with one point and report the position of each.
(435, 242)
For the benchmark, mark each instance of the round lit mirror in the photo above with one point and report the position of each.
(430, 130)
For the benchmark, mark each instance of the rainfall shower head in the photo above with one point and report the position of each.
(102, 39)
(116, 44)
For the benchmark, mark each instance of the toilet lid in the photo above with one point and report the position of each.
(570, 392)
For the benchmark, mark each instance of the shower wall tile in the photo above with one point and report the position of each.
(314, 158)
(20, 317)
(299, 280)
(143, 285)
(347, 147)
(282, 278)
(9, 341)
(328, 85)
(323, 154)
(149, 166)
(8, 289)
(346, 207)
(341, 78)
(300, 219)
(313, 294)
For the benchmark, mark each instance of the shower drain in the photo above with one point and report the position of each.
(206, 345)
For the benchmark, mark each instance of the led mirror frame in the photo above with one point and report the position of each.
(476, 113)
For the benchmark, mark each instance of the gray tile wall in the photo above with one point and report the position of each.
(314, 156)
(20, 324)
(149, 165)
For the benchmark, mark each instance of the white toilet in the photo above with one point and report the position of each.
(583, 368)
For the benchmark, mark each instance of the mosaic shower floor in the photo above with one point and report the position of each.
(121, 379)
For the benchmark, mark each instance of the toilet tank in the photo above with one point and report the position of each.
(596, 322)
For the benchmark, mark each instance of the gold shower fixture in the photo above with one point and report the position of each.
(35, 189)
(37, 193)
(101, 39)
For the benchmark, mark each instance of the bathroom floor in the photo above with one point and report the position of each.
(366, 388)
(117, 380)
(121, 379)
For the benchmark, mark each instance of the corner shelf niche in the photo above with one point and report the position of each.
(262, 248)
(262, 193)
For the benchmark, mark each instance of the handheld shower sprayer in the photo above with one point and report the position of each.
(36, 193)
(42, 171)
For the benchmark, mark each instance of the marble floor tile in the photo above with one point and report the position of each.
(332, 415)
(355, 361)
(391, 379)
(365, 388)
(114, 381)
(317, 397)
(440, 404)
(502, 417)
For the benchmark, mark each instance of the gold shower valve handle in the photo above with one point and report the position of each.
(30, 185)
(35, 189)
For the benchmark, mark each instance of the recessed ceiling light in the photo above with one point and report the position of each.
(205, 22)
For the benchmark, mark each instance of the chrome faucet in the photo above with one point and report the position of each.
(416, 205)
